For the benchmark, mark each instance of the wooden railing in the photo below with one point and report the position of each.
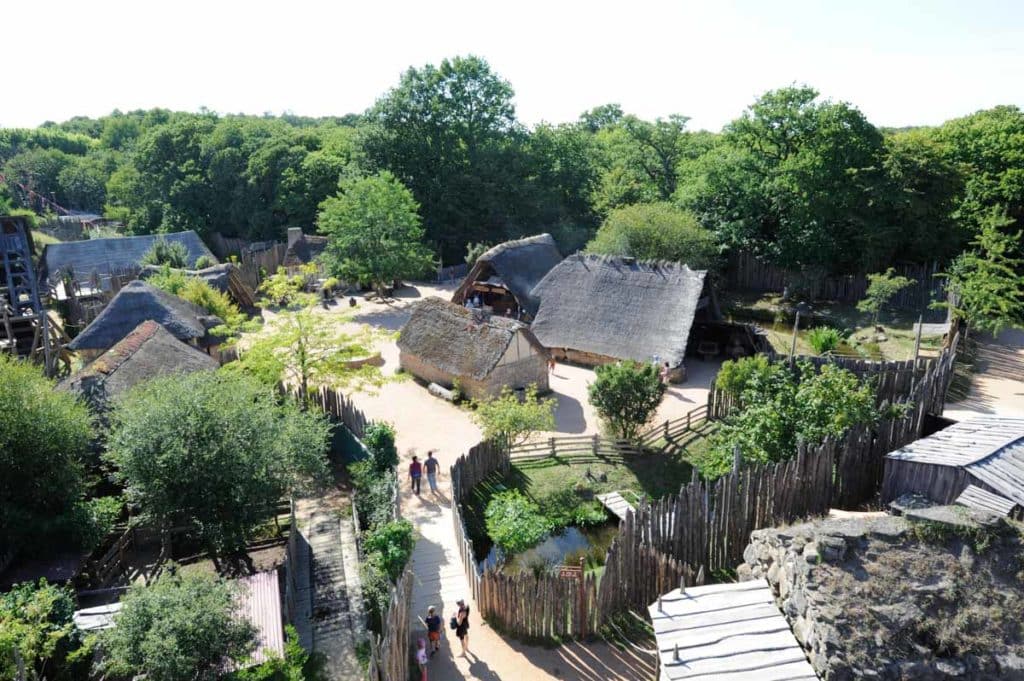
(673, 429)
(111, 563)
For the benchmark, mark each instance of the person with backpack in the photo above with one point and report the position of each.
(415, 473)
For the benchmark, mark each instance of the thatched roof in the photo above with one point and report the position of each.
(136, 303)
(148, 351)
(618, 307)
(102, 256)
(304, 250)
(223, 277)
(517, 265)
(448, 336)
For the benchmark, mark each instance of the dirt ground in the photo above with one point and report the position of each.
(998, 386)
(427, 422)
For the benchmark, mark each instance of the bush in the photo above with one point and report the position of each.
(198, 292)
(626, 395)
(514, 522)
(294, 666)
(36, 621)
(164, 252)
(735, 376)
(824, 339)
(506, 419)
(376, 588)
(204, 261)
(379, 439)
(393, 542)
(374, 493)
(657, 231)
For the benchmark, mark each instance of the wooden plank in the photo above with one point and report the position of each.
(975, 497)
(728, 667)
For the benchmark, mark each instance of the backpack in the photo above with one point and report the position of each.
(453, 622)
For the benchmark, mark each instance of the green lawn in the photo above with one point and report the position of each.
(557, 480)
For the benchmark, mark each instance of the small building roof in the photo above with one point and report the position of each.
(148, 351)
(98, 617)
(450, 337)
(84, 258)
(261, 604)
(517, 265)
(304, 250)
(618, 307)
(138, 302)
(990, 448)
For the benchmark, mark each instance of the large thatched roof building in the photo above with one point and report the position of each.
(148, 351)
(101, 257)
(596, 309)
(505, 276)
(978, 463)
(444, 342)
(138, 302)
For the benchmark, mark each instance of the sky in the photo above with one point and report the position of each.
(901, 62)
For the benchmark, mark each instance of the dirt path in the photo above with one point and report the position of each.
(998, 386)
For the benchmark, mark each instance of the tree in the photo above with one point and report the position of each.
(163, 252)
(216, 450)
(379, 440)
(778, 408)
(45, 438)
(626, 395)
(374, 233)
(514, 522)
(987, 282)
(474, 251)
(657, 231)
(506, 419)
(799, 182)
(182, 626)
(38, 634)
(882, 286)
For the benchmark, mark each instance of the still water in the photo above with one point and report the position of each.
(565, 547)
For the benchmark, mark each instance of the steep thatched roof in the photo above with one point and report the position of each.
(447, 336)
(136, 303)
(101, 256)
(517, 265)
(618, 307)
(148, 351)
(304, 250)
(223, 277)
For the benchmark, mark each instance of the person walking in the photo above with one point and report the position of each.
(432, 466)
(433, 622)
(666, 373)
(421, 659)
(462, 626)
(415, 473)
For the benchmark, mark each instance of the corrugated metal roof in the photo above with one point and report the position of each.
(261, 605)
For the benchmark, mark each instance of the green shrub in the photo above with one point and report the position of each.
(204, 261)
(374, 493)
(507, 419)
(379, 439)
(824, 339)
(164, 252)
(514, 522)
(36, 621)
(376, 588)
(393, 542)
(626, 395)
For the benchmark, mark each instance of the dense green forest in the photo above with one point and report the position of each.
(808, 183)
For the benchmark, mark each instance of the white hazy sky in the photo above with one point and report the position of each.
(902, 62)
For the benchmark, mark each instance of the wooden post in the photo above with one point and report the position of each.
(583, 599)
(551, 443)
(596, 440)
(792, 349)
(675, 653)
(682, 584)
(665, 425)
(737, 458)
(917, 341)
(688, 415)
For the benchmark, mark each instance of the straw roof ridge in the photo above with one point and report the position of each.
(519, 264)
(449, 337)
(148, 351)
(137, 302)
(618, 307)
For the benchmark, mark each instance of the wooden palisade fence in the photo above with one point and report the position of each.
(705, 528)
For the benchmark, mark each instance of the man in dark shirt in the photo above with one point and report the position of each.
(433, 622)
(432, 466)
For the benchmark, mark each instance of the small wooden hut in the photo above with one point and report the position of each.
(138, 302)
(303, 249)
(443, 343)
(977, 463)
(147, 352)
(597, 309)
(503, 278)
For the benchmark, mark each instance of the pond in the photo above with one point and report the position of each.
(564, 547)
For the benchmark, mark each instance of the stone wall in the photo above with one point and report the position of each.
(865, 598)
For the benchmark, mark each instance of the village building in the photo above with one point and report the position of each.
(93, 262)
(597, 309)
(504, 277)
(445, 343)
(303, 249)
(138, 302)
(977, 463)
(147, 352)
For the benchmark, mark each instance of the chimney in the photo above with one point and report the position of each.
(294, 234)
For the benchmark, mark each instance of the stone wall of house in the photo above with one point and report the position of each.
(515, 375)
(529, 370)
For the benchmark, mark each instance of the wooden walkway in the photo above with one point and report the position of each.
(615, 503)
(726, 631)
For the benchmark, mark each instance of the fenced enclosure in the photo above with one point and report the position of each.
(389, 653)
(747, 272)
(704, 529)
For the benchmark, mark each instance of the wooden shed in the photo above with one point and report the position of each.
(503, 278)
(977, 463)
(443, 343)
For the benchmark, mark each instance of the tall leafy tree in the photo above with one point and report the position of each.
(374, 233)
(215, 450)
(657, 231)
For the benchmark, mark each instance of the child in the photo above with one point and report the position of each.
(421, 658)
(433, 623)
